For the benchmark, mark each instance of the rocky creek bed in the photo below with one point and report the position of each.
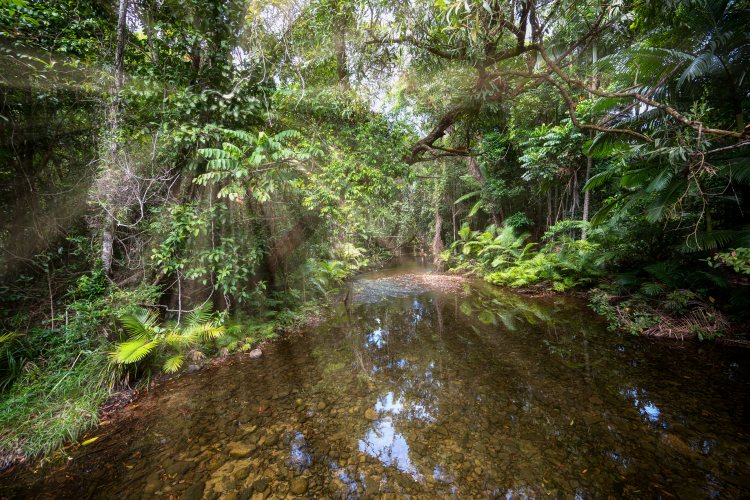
(428, 390)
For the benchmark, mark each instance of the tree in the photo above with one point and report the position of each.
(515, 48)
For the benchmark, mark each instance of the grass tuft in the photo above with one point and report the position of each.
(47, 407)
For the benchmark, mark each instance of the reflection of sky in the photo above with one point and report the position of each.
(650, 410)
(376, 338)
(299, 455)
(442, 474)
(646, 408)
(383, 441)
(388, 405)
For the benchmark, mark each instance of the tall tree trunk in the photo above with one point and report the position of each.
(557, 210)
(453, 215)
(340, 49)
(744, 189)
(549, 208)
(587, 194)
(738, 114)
(475, 172)
(589, 160)
(122, 28)
(437, 242)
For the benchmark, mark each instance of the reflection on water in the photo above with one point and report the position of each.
(414, 392)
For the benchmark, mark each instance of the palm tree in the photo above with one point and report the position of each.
(723, 58)
(147, 339)
(678, 169)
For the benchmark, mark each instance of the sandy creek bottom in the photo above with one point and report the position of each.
(431, 388)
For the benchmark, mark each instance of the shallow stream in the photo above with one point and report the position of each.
(431, 387)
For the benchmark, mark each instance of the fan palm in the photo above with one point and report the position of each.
(662, 177)
(724, 56)
(147, 339)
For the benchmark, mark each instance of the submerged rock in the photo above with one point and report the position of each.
(370, 414)
(241, 474)
(255, 354)
(194, 368)
(261, 484)
(678, 445)
(179, 468)
(298, 486)
(194, 492)
(271, 439)
(242, 451)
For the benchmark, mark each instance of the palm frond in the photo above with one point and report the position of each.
(132, 352)
(140, 323)
(174, 363)
(666, 199)
(202, 315)
(737, 168)
(627, 279)
(705, 240)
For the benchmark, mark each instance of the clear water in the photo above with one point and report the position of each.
(427, 388)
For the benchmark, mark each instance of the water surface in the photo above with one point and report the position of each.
(431, 388)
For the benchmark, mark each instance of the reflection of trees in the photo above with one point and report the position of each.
(434, 360)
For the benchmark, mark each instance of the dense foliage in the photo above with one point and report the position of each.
(161, 160)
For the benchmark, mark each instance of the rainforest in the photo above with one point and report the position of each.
(379, 249)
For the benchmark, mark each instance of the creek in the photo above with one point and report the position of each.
(430, 387)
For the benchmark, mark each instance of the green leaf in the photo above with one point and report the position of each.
(467, 196)
(476, 208)
(174, 363)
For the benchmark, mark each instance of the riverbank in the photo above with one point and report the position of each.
(45, 413)
(695, 320)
